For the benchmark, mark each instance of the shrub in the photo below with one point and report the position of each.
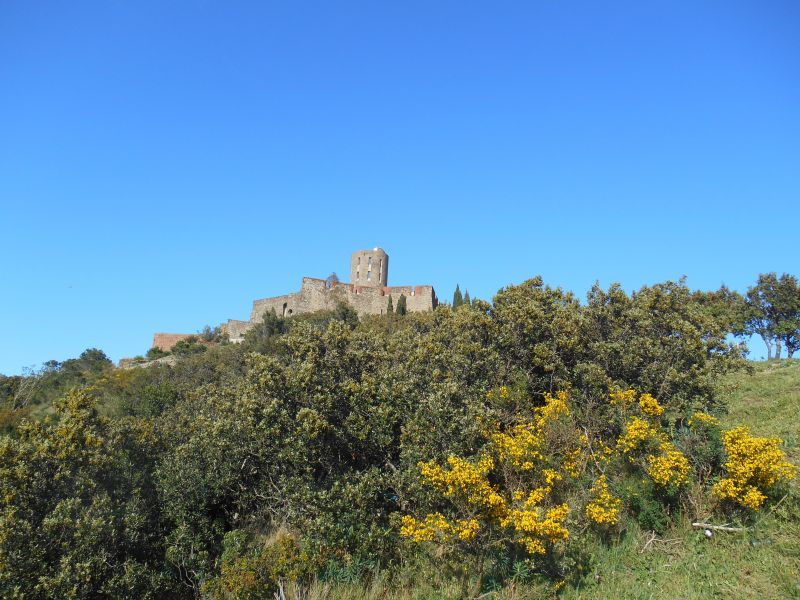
(754, 466)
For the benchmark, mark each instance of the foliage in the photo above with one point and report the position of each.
(77, 512)
(155, 353)
(294, 456)
(190, 345)
(773, 312)
(401, 305)
(754, 465)
(458, 299)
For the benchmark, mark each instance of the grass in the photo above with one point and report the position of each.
(761, 562)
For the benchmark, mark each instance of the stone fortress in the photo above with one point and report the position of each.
(368, 293)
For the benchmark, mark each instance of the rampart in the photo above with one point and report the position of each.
(368, 295)
(166, 341)
(319, 294)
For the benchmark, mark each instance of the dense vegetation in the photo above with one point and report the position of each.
(518, 446)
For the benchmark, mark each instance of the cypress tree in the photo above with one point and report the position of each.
(401, 305)
(466, 298)
(458, 300)
(390, 308)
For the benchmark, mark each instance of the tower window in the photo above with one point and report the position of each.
(358, 274)
(370, 262)
(369, 275)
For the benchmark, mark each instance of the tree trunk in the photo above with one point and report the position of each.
(778, 349)
(768, 344)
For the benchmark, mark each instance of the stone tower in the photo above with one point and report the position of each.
(369, 268)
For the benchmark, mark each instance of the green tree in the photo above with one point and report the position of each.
(390, 306)
(154, 353)
(190, 345)
(458, 300)
(401, 305)
(78, 513)
(760, 318)
(773, 312)
(787, 326)
(466, 298)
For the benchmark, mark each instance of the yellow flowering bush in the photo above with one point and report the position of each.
(622, 398)
(703, 418)
(603, 507)
(466, 480)
(535, 526)
(753, 465)
(523, 443)
(650, 406)
(435, 524)
(665, 464)
(637, 433)
(669, 466)
(507, 490)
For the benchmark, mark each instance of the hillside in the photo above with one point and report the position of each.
(530, 448)
(762, 562)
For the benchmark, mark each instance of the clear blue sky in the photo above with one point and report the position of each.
(164, 163)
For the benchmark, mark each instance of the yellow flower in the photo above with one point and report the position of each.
(753, 465)
(571, 461)
(668, 467)
(604, 507)
(637, 432)
(466, 480)
(650, 405)
(622, 398)
(704, 418)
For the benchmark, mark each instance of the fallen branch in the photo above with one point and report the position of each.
(718, 527)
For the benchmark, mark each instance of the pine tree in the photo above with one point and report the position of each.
(401, 305)
(458, 300)
(466, 298)
(390, 308)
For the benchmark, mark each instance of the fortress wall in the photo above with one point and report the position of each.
(368, 300)
(418, 298)
(165, 341)
(368, 295)
(317, 294)
(277, 303)
(236, 329)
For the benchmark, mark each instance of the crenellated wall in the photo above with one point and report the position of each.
(318, 294)
(367, 293)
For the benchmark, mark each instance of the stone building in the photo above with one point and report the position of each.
(368, 293)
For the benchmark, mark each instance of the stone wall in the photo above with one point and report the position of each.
(367, 292)
(235, 330)
(318, 294)
(165, 341)
(284, 306)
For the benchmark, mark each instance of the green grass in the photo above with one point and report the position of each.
(761, 562)
(768, 402)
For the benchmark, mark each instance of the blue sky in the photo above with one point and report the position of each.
(164, 163)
